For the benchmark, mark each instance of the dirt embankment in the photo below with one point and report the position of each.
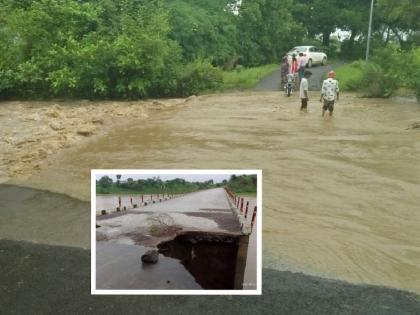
(32, 132)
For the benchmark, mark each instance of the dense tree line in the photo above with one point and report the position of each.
(243, 184)
(155, 185)
(237, 183)
(152, 48)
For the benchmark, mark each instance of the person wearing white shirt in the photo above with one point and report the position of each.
(329, 93)
(303, 91)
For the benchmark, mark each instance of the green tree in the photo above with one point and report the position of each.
(204, 29)
(118, 179)
(320, 17)
(402, 19)
(87, 49)
(267, 30)
(105, 182)
(243, 183)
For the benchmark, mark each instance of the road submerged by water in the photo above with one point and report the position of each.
(340, 195)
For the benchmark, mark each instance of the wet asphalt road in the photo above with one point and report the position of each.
(44, 279)
(212, 199)
(272, 81)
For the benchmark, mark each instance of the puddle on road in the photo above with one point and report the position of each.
(341, 196)
(119, 266)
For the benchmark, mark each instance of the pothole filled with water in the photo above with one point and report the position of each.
(209, 257)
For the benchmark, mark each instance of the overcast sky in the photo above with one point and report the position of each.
(217, 178)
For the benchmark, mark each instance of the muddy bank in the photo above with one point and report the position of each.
(34, 132)
(61, 276)
(43, 217)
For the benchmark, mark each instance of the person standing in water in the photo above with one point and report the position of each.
(329, 93)
(304, 87)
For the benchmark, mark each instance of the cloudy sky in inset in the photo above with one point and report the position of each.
(217, 178)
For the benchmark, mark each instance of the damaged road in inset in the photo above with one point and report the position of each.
(197, 229)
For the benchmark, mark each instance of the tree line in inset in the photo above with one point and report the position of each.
(155, 185)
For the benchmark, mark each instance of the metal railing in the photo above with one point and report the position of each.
(241, 206)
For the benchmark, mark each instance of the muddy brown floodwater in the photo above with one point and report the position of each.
(341, 196)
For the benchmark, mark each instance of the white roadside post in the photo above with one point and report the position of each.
(369, 31)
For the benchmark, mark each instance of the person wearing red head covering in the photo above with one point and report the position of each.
(329, 93)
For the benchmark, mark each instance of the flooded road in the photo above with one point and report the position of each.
(341, 196)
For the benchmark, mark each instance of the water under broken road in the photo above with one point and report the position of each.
(340, 196)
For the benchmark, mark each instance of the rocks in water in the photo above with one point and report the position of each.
(158, 104)
(53, 113)
(415, 125)
(55, 126)
(150, 257)
(86, 130)
(34, 117)
(99, 121)
(20, 141)
(190, 98)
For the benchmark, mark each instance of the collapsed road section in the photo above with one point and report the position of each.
(197, 241)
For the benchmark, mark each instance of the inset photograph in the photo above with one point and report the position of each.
(176, 231)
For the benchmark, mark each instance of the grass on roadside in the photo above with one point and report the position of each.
(349, 76)
(247, 194)
(246, 78)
